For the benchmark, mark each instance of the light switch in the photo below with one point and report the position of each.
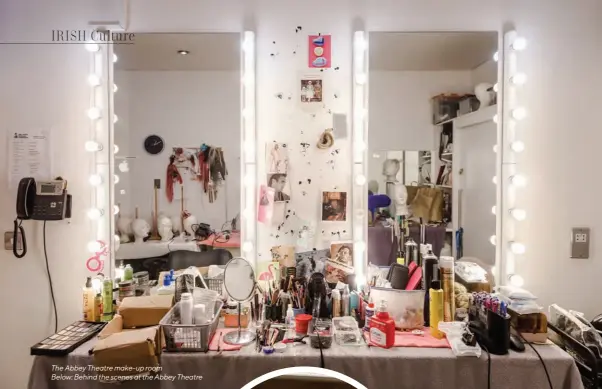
(580, 243)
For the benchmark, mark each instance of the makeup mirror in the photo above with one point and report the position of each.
(239, 281)
(432, 99)
(177, 136)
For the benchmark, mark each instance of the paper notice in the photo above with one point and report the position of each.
(28, 156)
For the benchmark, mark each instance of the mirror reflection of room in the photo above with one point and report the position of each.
(178, 138)
(431, 138)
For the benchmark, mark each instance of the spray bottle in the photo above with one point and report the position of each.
(430, 272)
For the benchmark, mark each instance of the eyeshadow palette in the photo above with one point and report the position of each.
(67, 339)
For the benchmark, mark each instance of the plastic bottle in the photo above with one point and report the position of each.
(430, 272)
(446, 266)
(88, 300)
(107, 299)
(411, 252)
(382, 328)
(436, 308)
(336, 303)
(98, 307)
(172, 277)
(128, 273)
(345, 301)
(186, 305)
(290, 322)
(368, 314)
(167, 288)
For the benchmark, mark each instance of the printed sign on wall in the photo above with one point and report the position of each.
(319, 51)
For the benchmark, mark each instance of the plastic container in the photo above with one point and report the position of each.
(199, 314)
(290, 322)
(321, 333)
(446, 266)
(406, 307)
(345, 302)
(302, 323)
(181, 337)
(346, 331)
(166, 289)
(436, 308)
(128, 273)
(369, 313)
(186, 309)
(336, 303)
(430, 272)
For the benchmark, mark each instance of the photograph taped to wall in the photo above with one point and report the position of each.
(187, 162)
(265, 210)
(276, 157)
(342, 253)
(310, 262)
(281, 186)
(285, 255)
(311, 89)
(334, 206)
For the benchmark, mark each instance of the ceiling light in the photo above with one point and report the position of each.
(519, 44)
(94, 113)
(518, 180)
(183, 52)
(517, 247)
(496, 87)
(492, 239)
(496, 56)
(519, 113)
(517, 146)
(95, 179)
(516, 280)
(518, 214)
(493, 209)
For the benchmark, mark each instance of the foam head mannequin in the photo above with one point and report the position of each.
(390, 169)
(141, 229)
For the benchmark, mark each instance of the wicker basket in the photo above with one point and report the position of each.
(215, 284)
(180, 337)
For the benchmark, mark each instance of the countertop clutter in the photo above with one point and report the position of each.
(184, 332)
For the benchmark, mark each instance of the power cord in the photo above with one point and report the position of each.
(488, 366)
(56, 316)
(538, 355)
(321, 353)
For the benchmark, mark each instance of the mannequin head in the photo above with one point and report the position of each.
(390, 169)
(124, 226)
(141, 229)
(373, 186)
(164, 227)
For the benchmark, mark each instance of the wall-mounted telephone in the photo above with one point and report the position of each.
(46, 201)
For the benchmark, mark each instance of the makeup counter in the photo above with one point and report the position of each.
(373, 333)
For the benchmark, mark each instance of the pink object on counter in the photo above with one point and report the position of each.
(219, 341)
(233, 242)
(408, 339)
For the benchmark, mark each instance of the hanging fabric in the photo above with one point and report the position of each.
(173, 176)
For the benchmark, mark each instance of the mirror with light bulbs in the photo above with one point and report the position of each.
(177, 144)
(432, 131)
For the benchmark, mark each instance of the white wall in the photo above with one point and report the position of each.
(562, 95)
(486, 72)
(187, 109)
(400, 107)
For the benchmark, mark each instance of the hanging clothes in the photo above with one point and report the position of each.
(173, 176)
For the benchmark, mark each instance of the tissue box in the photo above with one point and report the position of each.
(144, 311)
(123, 352)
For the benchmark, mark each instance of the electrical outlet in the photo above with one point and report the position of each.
(580, 243)
(8, 240)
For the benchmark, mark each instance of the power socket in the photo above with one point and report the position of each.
(8, 240)
(580, 242)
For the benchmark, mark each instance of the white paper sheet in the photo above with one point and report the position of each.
(28, 156)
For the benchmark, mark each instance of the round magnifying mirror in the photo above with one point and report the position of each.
(239, 281)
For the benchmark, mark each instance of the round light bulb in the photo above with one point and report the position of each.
(518, 214)
(519, 113)
(115, 149)
(494, 180)
(518, 180)
(493, 209)
(115, 89)
(93, 113)
(115, 209)
(516, 280)
(250, 147)
(361, 78)
(495, 118)
(361, 44)
(115, 119)
(517, 248)
(496, 56)
(359, 213)
(360, 179)
(519, 44)
(360, 145)
(93, 80)
(97, 284)
(517, 146)
(496, 87)
(247, 247)
(116, 179)
(94, 213)
(493, 270)
(248, 45)
(247, 213)
(246, 113)
(360, 246)
(94, 246)
(115, 58)
(95, 179)
(92, 46)
(92, 146)
(248, 79)
(493, 239)
(124, 167)
(519, 79)
(495, 148)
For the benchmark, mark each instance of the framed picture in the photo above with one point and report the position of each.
(311, 90)
(334, 206)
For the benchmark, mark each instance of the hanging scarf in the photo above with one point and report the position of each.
(173, 176)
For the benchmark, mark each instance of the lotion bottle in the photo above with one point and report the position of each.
(88, 300)
(382, 328)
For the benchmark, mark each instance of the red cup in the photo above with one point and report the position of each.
(302, 323)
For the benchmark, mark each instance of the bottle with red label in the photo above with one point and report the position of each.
(382, 328)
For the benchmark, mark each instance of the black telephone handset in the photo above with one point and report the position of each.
(39, 201)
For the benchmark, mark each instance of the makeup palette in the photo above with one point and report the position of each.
(67, 339)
